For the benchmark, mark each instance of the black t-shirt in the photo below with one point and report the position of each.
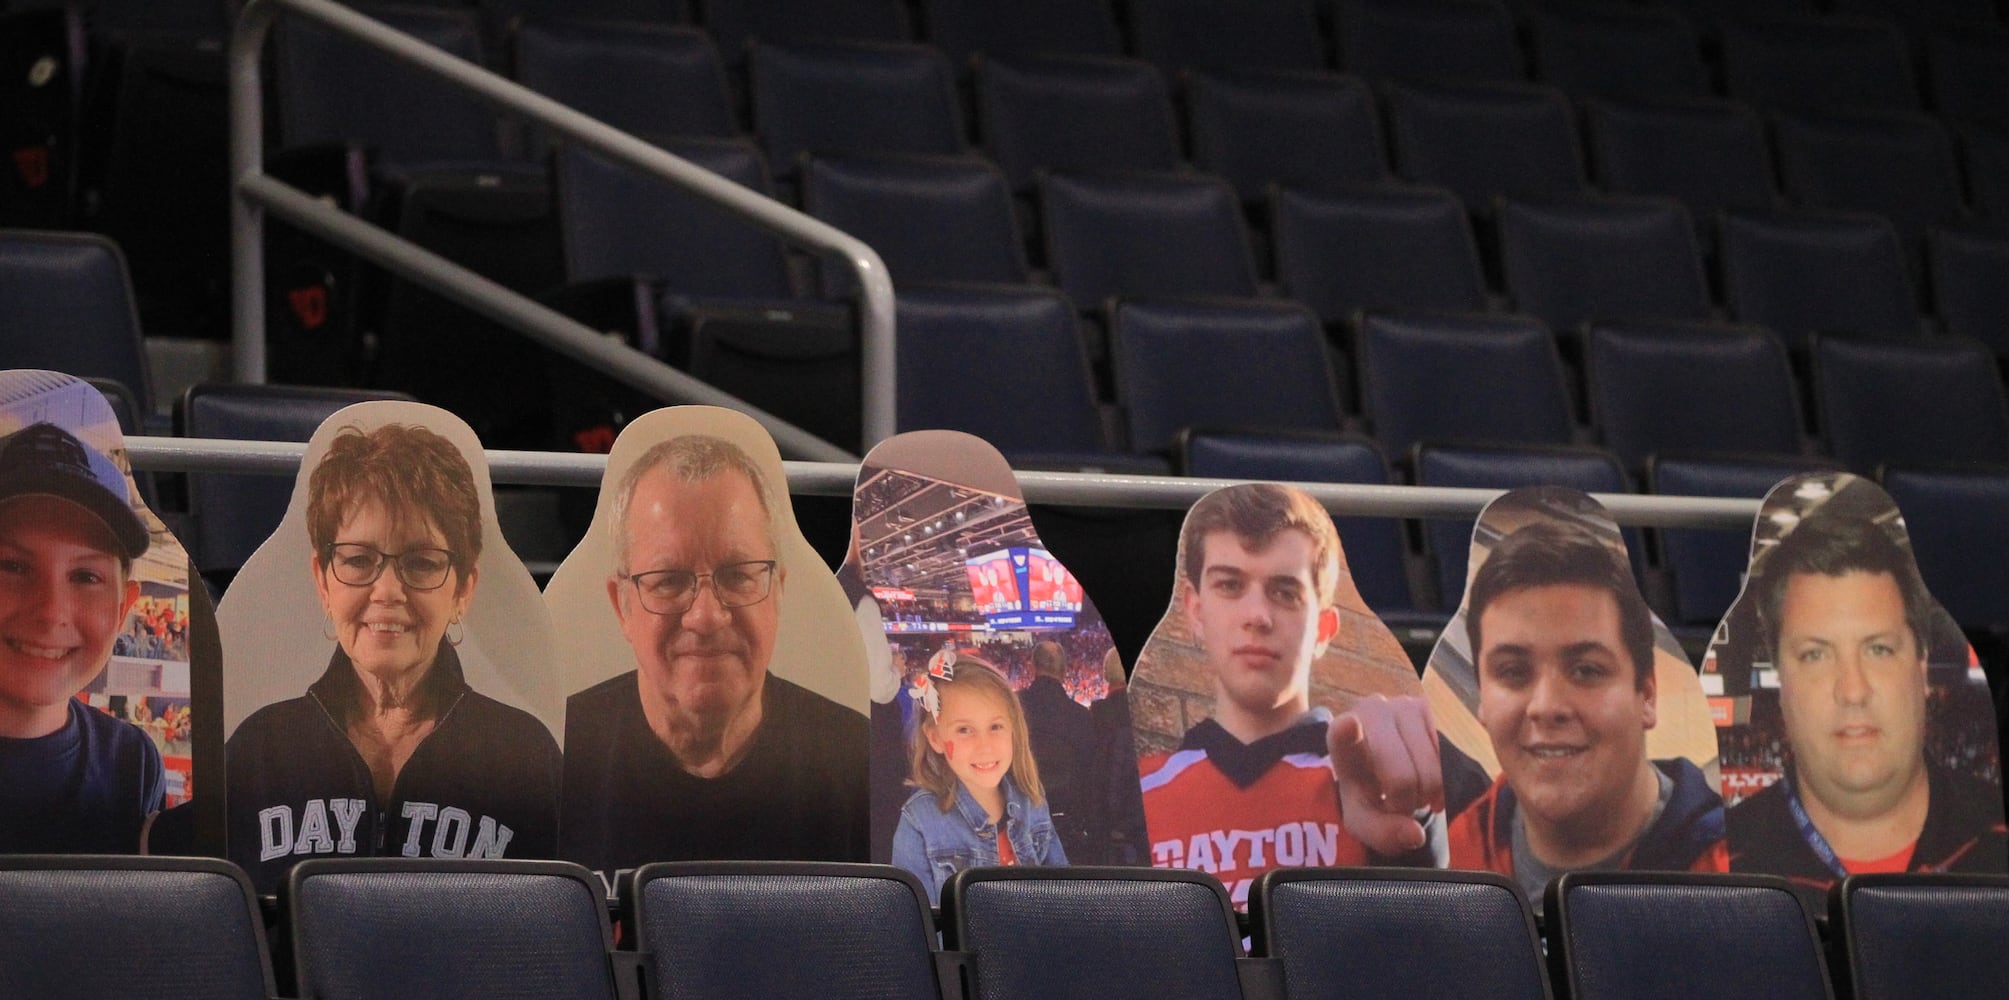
(86, 788)
(798, 794)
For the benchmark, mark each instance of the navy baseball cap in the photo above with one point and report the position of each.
(44, 459)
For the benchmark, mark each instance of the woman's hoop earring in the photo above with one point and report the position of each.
(453, 640)
(328, 628)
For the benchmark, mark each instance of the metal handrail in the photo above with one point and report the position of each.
(1074, 489)
(257, 193)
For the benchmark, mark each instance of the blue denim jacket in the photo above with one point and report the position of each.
(935, 845)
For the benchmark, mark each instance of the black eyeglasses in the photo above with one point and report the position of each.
(736, 585)
(360, 565)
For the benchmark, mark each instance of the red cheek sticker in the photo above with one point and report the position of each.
(949, 749)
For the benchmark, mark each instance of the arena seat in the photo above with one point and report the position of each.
(1304, 131)
(1385, 247)
(1639, 935)
(1509, 378)
(931, 219)
(1705, 567)
(1568, 261)
(1710, 155)
(84, 927)
(718, 930)
(1967, 267)
(450, 928)
(1958, 519)
(964, 28)
(1675, 388)
(1145, 236)
(1617, 52)
(1920, 15)
(1220, 364)
(1897, 165)
(1816, 62)
(854, 97)
(1967, 71)
(1074, 113)
(1362, 932)
(1108, 933)
(737, 24)
(632, 11)
(1447, 543)
(1804, 273)
(68, 307)
(1919, 403)
(1433, 40)
(1984, 158)
(1709, 12)
(1005, 364)
(234, 514)
(1485, 141)
(648, 79)
(1178, 35)
(1911, 936)
(1376, 554)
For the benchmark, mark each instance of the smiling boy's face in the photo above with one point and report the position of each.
(973, 733)
(64, 595)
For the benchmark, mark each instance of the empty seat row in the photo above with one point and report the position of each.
(535, 929)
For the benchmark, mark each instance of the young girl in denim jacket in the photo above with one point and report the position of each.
(977, 798)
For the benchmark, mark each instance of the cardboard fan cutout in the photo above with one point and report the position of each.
(1279, 722)
(391, 686)
(714, 675)
(1575, 732)
(999, 724)
(108, 669)
(1856, 723)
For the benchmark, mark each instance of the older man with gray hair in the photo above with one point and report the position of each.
(700, 753)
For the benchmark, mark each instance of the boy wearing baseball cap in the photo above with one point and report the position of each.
(72, 779)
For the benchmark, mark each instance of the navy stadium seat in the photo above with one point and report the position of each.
(1005, 364)
(1705, 567)
(858, 932)
(852, 98)
(450, 928)
(1428, 40)
(1817, 62)
(1912, 936)
(1617, 52)
(1180, 35)
(931, 219)
(1305, 131)
(1485, 141)
(616, 222)
(1572, 260)
(83, 927)
(1984, 157)
(1375, 550)
(1970, 284)
(1385, 247)
(658, 11)
(1920, 15)
(648, 79)
(1968, 72)
(1912, 403)
(68, 305)
(1361, 932)
(1805, 273)
(964, 28)
(1167, 358)
(737, 24)
(1114, 933)
(1683, 388)
(1897, 165)
(1958, 521)
(1448, 542)
(1639, 935)
(1710, 12)
(234, 514)
(1050, 113)
(1509, 378)
(1709, 155)
(332, 89)
(1145, 236)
